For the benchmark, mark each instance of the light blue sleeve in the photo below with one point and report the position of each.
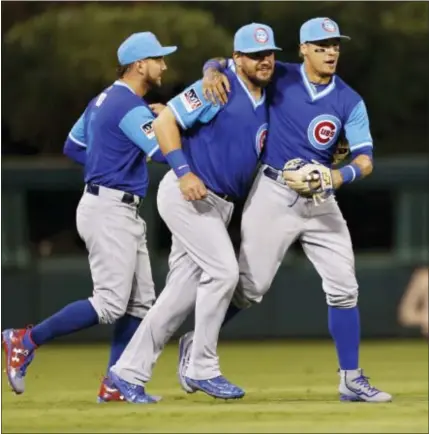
(137, 126)
(191, 106)
(357, 128)
(77, 133)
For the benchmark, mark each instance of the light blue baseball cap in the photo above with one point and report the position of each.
(141, 46)
(318, 29)
(254, 37)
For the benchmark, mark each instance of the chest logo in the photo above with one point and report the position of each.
(261, 137)
(323, 131)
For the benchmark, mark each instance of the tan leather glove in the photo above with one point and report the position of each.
(341, 153)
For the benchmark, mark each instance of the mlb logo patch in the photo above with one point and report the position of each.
(148, 130)
(190, 100)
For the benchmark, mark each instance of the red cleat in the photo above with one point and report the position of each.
(108, 392)
(18, 357)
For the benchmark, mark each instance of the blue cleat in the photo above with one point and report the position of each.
(185, 345)
(18, 357)
(218, 387)
(131, 392)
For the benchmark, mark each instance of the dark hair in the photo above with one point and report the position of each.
(121, 70)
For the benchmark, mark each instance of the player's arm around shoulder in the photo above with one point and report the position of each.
(215, 83)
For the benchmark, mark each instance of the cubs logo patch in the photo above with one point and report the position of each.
(191, 100)
(261, 35)
(323, 131)
(328, 25)
(148, 130)
(261, 137)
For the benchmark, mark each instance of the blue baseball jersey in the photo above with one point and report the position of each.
(306, 121)
(116, 130)
(222, 143)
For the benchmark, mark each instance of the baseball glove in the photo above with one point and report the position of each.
(342, 152)
(308, 179)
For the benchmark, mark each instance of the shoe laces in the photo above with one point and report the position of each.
(363, 381)
(136, 388)
(223, 382)
(220, 380)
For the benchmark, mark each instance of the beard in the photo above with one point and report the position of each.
(261, 82)
(152, 83)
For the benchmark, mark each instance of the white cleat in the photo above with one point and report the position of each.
(185, 345)
(354, 386)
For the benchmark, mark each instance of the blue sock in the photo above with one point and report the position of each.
(124, 330)
(75, 316)
(230, 313)
(344, 326)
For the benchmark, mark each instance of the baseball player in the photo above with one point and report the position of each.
(213, 163)
(116, 132)
(293, 195)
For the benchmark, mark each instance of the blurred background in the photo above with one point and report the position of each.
(58, 55)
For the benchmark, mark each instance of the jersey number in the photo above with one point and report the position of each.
(100, 99)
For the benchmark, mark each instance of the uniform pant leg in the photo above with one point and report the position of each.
(110, 231)
(143, 289)
(269, 226)
(173, 305)
(327, 243)
(201, 227)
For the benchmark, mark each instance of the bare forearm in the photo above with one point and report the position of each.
(168, 135)
(365, 165)
(360, 168)
(167, 131)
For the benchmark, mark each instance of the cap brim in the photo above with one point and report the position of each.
(346, 38)
(165, 51)
(257, 50)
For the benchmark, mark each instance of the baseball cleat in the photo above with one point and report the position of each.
(18, 357)
(218, 387)
(108, 392)
(354, 386)
(132, 392)
(185, 345)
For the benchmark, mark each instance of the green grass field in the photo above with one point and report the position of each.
(291, 387)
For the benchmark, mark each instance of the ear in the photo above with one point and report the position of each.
(141, 67)
(236, 57)
(303, 49)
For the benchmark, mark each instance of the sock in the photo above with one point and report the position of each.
(230, 313)
(124, 330)
(344, 326)
(75, 316)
